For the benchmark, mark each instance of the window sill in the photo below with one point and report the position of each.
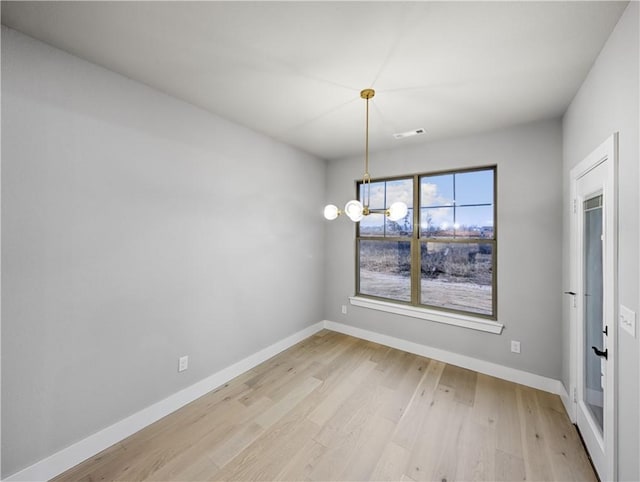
(470, 322)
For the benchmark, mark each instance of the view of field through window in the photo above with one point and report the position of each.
(457, 276)
(455, 255)
(385, 269)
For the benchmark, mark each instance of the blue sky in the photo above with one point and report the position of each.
(475, 187)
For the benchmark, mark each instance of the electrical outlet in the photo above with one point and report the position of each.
(515, 346)
(183, 363)
(344, 309)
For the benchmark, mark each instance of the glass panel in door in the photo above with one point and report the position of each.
(593, 310)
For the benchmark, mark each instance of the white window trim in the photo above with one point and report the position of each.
(455, 319)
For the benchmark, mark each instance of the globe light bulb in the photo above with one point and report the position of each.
(397, 211)
(354, 210)
(331, 212)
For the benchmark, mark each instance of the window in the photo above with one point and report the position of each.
(442, 255)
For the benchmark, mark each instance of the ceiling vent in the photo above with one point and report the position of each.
(415, 132)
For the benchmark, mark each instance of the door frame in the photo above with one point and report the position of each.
(606, 152)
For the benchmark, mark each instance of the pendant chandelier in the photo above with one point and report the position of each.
(354, 209)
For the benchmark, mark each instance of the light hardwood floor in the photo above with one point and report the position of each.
(337, 408)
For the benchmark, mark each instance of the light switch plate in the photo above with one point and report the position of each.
(627, 320)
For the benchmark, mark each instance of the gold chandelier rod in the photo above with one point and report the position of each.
(366, 178)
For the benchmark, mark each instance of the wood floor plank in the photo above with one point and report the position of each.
(476, 457)
(487, 404)
(509, 468)
(235, 444)
(368, 448)
(462, 382)
(396, 371)
(358, 438)
(534, 445)
(303, 463)
(361, 395)
(350, 351)
(567, 459)
(282, 407)
(425, 454)
(342, 391)
(189, 465)
(389, 360)
(278, 391)
(412, 421)
(337, 408)
(265, 381)
(298, 366)
(508, 424)
(452, 442)
(272, 450)
(346, 443)
(230, 436)
(404, 390)
(265, 458)
(380, 354)
(392, 463)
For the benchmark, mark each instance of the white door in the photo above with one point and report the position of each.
(593, 274)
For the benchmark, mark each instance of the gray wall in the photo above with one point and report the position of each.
(529, 160)
(117, 256)
(136, 228)
(608, 102)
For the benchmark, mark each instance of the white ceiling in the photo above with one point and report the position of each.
(294, 70)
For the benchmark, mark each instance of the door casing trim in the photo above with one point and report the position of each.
(607, 151)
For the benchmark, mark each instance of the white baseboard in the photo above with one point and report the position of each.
(63, 460)
(481, 366)
(569, 405)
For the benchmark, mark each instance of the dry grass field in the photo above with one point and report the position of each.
(448, 294)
